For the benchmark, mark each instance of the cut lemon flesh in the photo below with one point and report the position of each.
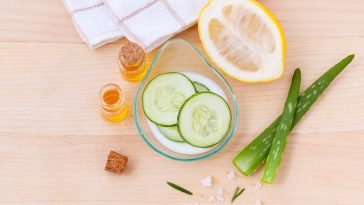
(243, 39)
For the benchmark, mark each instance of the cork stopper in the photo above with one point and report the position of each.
(116, 162)
(131, 55)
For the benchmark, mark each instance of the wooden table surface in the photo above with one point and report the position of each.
(53, 142)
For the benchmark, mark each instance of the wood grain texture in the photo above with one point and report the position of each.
(54, 144)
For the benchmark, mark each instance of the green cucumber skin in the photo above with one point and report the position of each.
(160, 128)
(149, 118)
(284, 126)
(255, 153)
(200, 87)
(178, 119)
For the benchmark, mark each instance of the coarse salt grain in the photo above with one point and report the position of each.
(212, 198)
(220, 192)
(220, 198)
(258, 185)
(258, 202)
(231, 175)
(207, 182)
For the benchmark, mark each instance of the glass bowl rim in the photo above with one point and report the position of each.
(213, 69)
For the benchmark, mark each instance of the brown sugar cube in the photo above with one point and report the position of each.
(116, 162)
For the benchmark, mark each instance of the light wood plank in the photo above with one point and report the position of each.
(55, 89)
(48, 21)
(318, 169)
(53, 143)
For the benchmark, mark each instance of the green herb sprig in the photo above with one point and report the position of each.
(179, 188)
(237, 193)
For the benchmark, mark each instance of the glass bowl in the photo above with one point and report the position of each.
(181, 56)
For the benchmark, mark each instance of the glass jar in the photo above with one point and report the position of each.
(132, 62)
(112, 103)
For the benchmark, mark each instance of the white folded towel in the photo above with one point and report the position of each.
(93, 22)
(146, 22)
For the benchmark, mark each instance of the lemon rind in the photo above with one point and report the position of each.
(282, 37)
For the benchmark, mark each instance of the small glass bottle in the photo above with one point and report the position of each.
(132, 62)
(112, 103)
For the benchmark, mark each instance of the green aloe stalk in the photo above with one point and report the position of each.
(253, 155)
(284, 126)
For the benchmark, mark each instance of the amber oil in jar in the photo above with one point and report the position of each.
(112, 103)
(132, 62)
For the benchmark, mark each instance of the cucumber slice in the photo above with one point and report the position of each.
(164, 95)
(171, 133)
(200, 87)
(204, 119)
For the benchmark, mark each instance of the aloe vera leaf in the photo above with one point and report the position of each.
(284, 126)
(254, 154)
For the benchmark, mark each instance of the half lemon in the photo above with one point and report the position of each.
(243, 39)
